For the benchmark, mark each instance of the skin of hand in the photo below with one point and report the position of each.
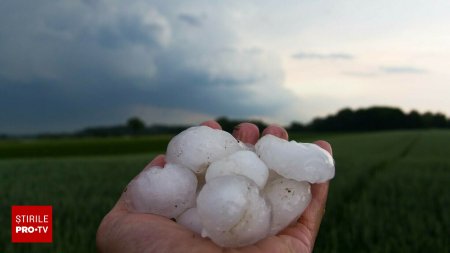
(122, 230)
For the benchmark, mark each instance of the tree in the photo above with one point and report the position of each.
(414, 120)
(135, 125)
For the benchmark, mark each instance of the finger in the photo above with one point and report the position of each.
(159, 160)
(312, 216)
(325, 145)
(247, 133)
(277, 131)
(212, 124)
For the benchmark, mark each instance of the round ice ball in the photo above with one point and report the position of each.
(299, 161)
(191, 220)
(245, 163)
(233, 212)
(167, 191)
(288, 198)
(247, 146)
(197, 147)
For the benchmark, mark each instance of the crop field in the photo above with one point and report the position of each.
(391, 192)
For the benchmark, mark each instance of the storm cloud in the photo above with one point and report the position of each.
(70, 64)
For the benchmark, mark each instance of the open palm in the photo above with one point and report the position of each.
(125, 231)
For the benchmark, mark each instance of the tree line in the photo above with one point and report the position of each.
(373, 119)
(363, 119)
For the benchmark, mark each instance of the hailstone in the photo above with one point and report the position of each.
(167, 191)
(231, 192)
(191, 220)
(245, 163)
(298, 161)
(233, 212)
(288, 198)
(197, 147)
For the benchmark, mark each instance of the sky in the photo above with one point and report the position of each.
(66, 65)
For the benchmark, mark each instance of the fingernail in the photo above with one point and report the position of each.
(277, 131)
(212, 124)
(325, 145)
(246, 132)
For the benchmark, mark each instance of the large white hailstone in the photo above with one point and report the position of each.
(273, 175)
(247, 146)
(289, 198)
(197, 147)
(191, 220)
(167, 191)
(233, 212)
(299, 161)
(245, 163)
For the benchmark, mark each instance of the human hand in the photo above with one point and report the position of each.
(123, 230)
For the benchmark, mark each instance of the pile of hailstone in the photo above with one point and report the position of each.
(234, 193)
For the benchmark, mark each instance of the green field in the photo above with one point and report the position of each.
(391, 192)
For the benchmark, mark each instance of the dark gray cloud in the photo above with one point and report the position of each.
(192, 20)
(68, 64)
(322, 56)
(129, 30)
(402, 70)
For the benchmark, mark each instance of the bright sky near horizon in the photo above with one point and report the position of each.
(68, 64)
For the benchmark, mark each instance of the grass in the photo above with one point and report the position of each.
(391, 194)
(81, 191)
(391, 191)
(34, 148)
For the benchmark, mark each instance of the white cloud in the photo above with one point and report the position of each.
(322, 56)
